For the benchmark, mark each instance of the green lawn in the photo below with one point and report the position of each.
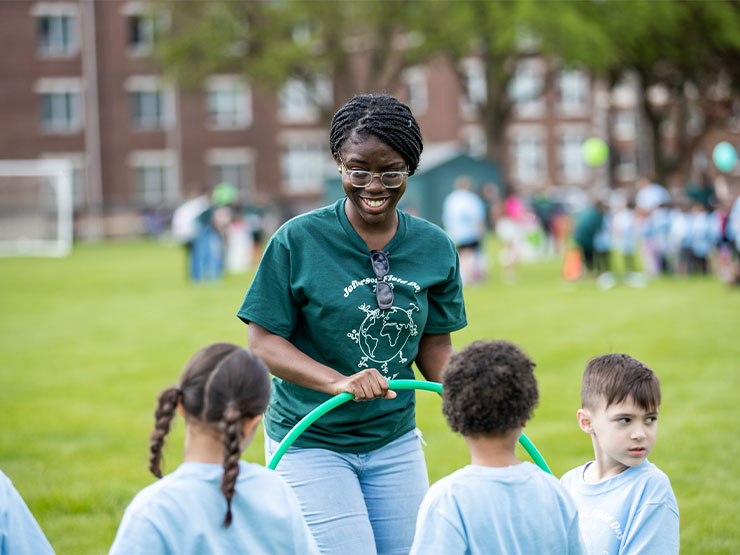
(88, 341)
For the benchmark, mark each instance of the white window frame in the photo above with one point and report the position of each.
(527, 87)
(474, 139)
(65, 95)
(571, 166)
(626, 167)
(303, 163)
(528, 156)
(59, 46)
(149, 22)
(299, 101)
(239, 116)
(164, 160)
(573, 91)
(165, 95)
(475, 90)
(417, 83)
(243, 158)
(625, 125)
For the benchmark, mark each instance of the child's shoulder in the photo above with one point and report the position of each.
(650, 475)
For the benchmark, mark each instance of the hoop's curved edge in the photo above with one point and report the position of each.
(534, 454)
(304, 423)
(342, 398)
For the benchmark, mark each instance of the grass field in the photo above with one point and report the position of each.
(88, 341)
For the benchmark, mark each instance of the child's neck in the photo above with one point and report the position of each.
(598, 471)
(203, 444)
(494, 451)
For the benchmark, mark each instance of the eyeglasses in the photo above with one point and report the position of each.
(383, 290)
(361, 178)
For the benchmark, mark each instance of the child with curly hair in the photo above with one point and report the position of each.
(497, 504)
(213, 502)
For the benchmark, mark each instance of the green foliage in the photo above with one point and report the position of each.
(88, 341)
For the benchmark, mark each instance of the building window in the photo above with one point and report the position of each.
(526, 89)
(302, 165)
(416, 80)
(570, 158)
(153, 177)
(529, 159)
(626, 165)
(299, 101)
(147, 109)
(473, 138)
(151, 104)
(229, 102)
(234, 166)
(60, 104)
(141, 27)
(57, 29)
(625, 127)
(475, 91)
(573, 91)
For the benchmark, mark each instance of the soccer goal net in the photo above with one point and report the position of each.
(35, 207)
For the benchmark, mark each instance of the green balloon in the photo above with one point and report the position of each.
(224, 193)
(594, 151)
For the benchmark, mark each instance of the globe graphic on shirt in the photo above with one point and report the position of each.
(384, 333)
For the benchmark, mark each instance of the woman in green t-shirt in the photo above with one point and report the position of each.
(347, 297)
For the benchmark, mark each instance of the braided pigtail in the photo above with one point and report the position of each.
(231, 423)
(163, 414)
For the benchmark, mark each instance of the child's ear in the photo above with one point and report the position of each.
(584, 420)
(180, 408)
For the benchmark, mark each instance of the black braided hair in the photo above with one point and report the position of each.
(221, 385)
(383, 116)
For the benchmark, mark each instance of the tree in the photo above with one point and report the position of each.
(686, 56)
(501, 34)
(362, 45)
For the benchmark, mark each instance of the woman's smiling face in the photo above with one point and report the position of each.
(374, 205)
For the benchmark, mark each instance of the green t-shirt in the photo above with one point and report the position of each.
(315, 287)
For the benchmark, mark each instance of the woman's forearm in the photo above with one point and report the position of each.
(434, 352)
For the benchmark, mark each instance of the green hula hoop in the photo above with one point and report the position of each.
(341, 398)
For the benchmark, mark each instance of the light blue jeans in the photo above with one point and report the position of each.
(358, 503)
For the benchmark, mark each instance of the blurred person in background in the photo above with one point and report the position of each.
(209, 250)
(464, 220)
(733, 234)
(546, 210)
(626, 240)
(603, 253)
(185, 228)
(588, 225)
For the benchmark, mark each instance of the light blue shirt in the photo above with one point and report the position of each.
(480, 509)
(19, 532)
(464, 216)
(184, 512)
(633, 512)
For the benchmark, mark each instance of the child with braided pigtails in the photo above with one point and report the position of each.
(213, 502)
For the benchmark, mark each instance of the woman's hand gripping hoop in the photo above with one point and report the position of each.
(337, 400)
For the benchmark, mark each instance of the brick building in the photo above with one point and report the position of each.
(78, 82)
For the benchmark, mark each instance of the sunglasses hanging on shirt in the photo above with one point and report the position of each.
(383, 290)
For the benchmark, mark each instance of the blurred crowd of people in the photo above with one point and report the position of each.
(620, 235)
(219, 234)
